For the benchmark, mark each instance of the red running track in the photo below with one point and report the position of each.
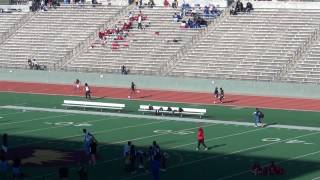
(165, 96)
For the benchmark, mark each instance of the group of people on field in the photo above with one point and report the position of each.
(271, 169)
(152, 160)
(4, 164)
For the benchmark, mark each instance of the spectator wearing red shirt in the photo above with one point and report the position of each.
(165, 3)
(201, 139)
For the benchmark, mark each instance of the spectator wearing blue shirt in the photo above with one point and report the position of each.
(155, 167)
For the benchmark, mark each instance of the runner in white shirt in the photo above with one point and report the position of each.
(87, 91)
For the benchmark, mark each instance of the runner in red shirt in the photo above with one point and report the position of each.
(201, 139)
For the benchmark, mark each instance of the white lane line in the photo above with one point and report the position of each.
(55, 127)
(94, 132)
(223, 155)
(120, 158)
(124, 141)
(35, 119)
(220, 137)
(161, 118)
(290, 159)
(20, 112)
(146, 137)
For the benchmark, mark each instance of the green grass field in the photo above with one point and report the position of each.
(46, 139)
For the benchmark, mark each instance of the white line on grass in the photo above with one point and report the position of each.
(95, 133)
(35, 119)
(146, 137)
(280, 162)
(159, 117)
(20, 112)
(316, 178)
(123, 141)
(201, 104)
(119, 158)
(234, 152)
(61, 126)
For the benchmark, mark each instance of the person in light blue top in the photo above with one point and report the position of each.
(256, 118)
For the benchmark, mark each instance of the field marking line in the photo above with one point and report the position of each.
(251, 124)
(135, 139)
(280, 162)
(60, 126)
(316, 178)
(155, 135)
(35, 119)
(8, 114)
(95, 133)
(119, 158)
(182, 102)
(220, 137)
(217, 156)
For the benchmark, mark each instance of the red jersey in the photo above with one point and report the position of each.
(200, 134)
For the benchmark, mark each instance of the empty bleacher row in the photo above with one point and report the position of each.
(8, 21)
(147, 49)
(49, 36)
(251, 46)
(307, 68)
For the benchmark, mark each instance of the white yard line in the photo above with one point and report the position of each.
(201, 104)
(155, 135)
(136, 139)
(94, 132)
(173, 118)
(291, 159)
(35, 119)
(234, 152)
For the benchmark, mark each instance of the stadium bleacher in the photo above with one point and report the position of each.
(268, 44)
(147, 50)
(251, 46)
(49, 36)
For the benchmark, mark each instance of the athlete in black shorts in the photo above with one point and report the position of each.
(133, 89)
(87, 91)
(221, 95)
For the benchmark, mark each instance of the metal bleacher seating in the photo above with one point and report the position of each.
(307, 68)
(8, 21)
(49, 36)
(148, 49)
(253, 46)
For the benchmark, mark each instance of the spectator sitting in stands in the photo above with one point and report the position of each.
(190, 23)
(175, 18)
(214, 11)
(183, 24)
(151, 3)
(193, 11)
(165, 3)
(30, 64)
(239, 6)
(206, 11)
(249, 7)
(175, 4)
(35, 65)
(124, 70)
(130, 15)
(233, 11)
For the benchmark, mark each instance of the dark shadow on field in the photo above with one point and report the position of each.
(216, 146)
(229, 101)
(42, 156)
(147, 96)
(270, 124)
